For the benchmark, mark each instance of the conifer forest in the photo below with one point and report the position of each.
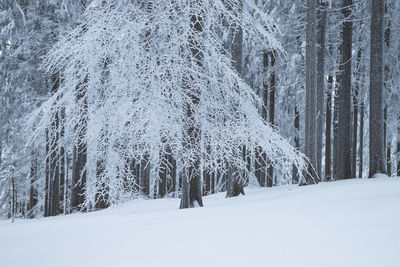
(199, 133)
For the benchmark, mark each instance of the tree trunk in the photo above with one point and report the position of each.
(163, 172)
(47, 177)
(295, 176)
(344, 113)
(54, 175)
(328, 126)
(33, 193)
(80, 150)
(63, 184)
(335, 128)
(235, 182)
(355, 119)
(377, 155)
(311, 92)
(270, 174)
(55, 168)
(261, 158)
(320, 80)
(361, 151)
(387, 89)
(191, 178)
(389, 159)
(398, 145)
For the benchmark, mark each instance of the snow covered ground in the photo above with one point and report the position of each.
(347, 223)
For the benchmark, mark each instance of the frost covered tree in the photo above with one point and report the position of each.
(28, 30)
(171, 88)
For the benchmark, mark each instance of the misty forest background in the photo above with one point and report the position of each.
(108, 101)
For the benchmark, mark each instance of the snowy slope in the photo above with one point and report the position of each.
(347, 223)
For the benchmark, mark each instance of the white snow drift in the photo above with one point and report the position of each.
(347, 223)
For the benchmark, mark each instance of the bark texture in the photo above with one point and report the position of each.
(311, 92)
(344, 113)
(328, 132)
(377, 155)
(321, 36)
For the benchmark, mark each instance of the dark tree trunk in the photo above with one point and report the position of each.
(335, 131)
(47, 177)
(101, 197)
(321, 30)
(387, 89)
(389, 160)
(14, 198)
(377, 155)
(163, 172)
(234, 185)
(398, 145)
(355, 118)
(63, 184)
(270, 174)
(361, 151)
(54, 169)
(54, 155)
(328, 133)
(387, 141)
(311, 93)
(235, 178)
(207, 182)
(344, 124)
(295, 176)
(33, 193)
(80, 150)
(191, 179)
(260, 157)
(145, 175)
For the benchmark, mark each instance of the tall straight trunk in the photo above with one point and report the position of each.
(102, 190)
(47, 177)
(260, 158)
(270, 173)
(321, 30)
(387, 89)
(172, 164)
(311, 92)
(55, 169)
(389, 159)
(377, 155)
(295, 176)
(355, 117)
(14, 197)
(398, 145)
(54, 179)
(328, 127)
(191, 178)
(344, 124)
(163, 173)
(361, 151)
(235, 182)
(144, 179)
(387, 141)
(33, 193)
(63, 184)
(80, 150)
(335, 130)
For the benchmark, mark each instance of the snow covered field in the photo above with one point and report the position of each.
(347, 223)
